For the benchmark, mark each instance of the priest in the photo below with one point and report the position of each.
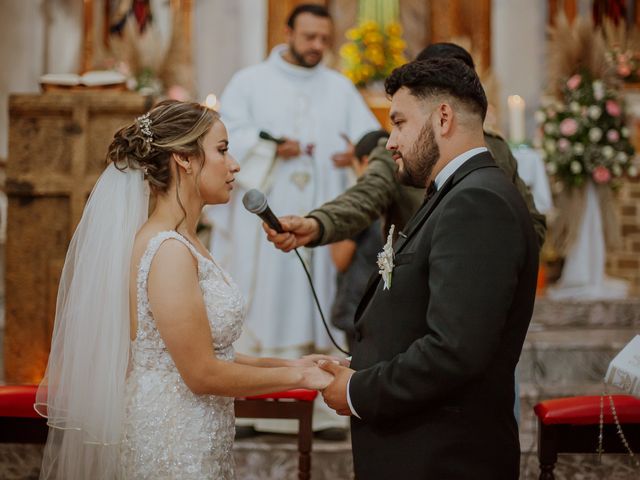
(290, 121)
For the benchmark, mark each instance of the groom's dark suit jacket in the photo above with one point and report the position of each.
(435, 354)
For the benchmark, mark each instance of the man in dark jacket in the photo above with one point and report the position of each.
(439, 332)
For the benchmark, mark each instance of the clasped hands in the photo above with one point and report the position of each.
(334, 391)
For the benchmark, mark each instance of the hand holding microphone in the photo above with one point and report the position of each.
(293, 232)
(286, 233)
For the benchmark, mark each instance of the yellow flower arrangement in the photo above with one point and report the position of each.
(372, 52)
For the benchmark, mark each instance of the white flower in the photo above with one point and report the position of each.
(595, 134)
(539, 116)
(632, 171)
(385, 260)
(616, 169)
(549, 128)
(622, 157)
(608, 151)
(550, 146)
(574, 107)
(576, 167)
(624, 131)
(552, 168)
(578, 148)
(598, 89)
(594, 112)
(537, 142)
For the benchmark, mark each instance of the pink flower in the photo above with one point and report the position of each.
(574, 82)
(563, 144)
(613, 108)
(613, 136)
(177, 92)
(568, 127)
(601, 174)
(624, 70)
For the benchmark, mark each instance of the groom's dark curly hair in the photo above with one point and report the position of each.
(440, 76)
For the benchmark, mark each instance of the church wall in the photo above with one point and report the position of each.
(518, 54)
(227, 37)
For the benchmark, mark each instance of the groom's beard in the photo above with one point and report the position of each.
(420, 160)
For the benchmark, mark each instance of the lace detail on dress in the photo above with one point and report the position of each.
(169, 431)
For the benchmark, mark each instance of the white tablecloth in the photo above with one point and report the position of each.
(532, 171)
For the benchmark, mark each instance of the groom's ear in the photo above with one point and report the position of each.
(444, 118)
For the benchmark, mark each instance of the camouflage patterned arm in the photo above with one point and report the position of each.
(359, 206)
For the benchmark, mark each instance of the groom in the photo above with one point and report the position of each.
(431, 392)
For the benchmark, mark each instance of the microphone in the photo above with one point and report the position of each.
(256, 202)
(267, 136)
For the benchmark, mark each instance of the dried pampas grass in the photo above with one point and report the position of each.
(576, 48)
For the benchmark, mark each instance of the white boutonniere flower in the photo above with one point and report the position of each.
(385, 260)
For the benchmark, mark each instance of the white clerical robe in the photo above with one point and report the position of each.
(313, 106)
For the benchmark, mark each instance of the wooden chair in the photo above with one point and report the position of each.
(19, 422)
(572, 425)
(292, 404)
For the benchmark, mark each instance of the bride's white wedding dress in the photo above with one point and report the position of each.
(170, 432)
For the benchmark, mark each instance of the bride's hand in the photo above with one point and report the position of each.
(314, 378)
(318, 357)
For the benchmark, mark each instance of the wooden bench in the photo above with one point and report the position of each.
(292, 404)
(19, 422)
(572, 425)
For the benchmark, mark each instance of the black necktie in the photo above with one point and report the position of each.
(431, 191)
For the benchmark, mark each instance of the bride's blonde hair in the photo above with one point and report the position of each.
(171, 127)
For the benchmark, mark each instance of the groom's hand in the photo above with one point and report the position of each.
(335, 395)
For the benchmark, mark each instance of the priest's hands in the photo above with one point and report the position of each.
(288, 149)
(335, 394)
(345, 158)
(298, 232)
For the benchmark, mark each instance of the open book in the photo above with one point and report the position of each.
(89, 79)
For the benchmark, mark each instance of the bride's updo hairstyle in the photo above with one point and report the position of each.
(171, 127)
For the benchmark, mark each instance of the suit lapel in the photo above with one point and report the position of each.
(482, 160)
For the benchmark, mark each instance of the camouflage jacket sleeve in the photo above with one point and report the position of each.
(506, 161)
(361, 204)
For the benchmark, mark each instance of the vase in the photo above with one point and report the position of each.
(583, 275)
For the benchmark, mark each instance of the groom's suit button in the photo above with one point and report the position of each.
(357, 335)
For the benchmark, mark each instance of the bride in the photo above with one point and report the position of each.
(142, 372)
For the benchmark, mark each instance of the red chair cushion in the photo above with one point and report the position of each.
(299, 394)
(18, 400)
(586, 410)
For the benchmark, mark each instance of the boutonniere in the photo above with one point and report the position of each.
(385, 260)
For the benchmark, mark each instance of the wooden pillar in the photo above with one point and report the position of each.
(88, 36)
(279, 11)
(57, 148)
(455, 19)
(569, 7)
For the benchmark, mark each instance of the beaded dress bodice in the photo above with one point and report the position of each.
(170, 432)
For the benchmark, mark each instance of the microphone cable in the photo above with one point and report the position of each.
(315, 297)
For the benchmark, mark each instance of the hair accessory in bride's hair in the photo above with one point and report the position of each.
(145, 127)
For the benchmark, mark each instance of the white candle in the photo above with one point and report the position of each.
(212, 102)
(516, 107)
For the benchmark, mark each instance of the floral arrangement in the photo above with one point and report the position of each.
(622, 49)
(626, 63)
(584, 136)
(372, 51)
